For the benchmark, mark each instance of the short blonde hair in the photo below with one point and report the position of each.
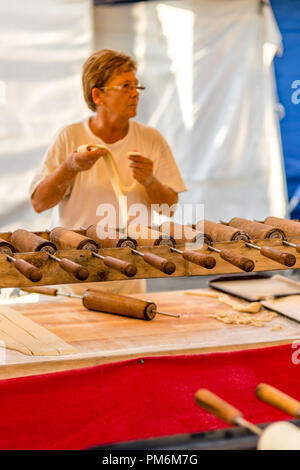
(100, 67)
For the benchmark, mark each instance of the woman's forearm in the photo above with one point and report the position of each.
(159, 193)
(53, 188)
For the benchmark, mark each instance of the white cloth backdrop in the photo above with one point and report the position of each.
(208, 92)
(42, 47)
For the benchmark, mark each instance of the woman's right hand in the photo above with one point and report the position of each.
(83, 161)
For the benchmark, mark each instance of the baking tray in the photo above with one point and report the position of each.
(255, 287)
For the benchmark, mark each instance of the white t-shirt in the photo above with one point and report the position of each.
(91, 188)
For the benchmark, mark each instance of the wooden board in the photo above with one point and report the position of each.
(101, 338)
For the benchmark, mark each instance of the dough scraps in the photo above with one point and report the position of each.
(252, 307)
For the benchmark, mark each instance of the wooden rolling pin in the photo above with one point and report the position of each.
(28, 270)
(220, 408)
(287, 259)
(109, 238)
(196, 257)
(146, 236)
(114, 240)
(66, 239)
(224, 233)
(27, 241)
(291, 228)
(184, 234)
(256, 230)
(240, 261)
(6, 247)
(106, 302)
(280, 400)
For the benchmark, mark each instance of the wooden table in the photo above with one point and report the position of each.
(102, 338)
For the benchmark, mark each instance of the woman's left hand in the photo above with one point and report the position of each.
(142, 168)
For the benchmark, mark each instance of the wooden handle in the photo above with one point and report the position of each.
(118, 304)
(128, 269)
(28, 270)
(276, 398)
(167, 267)
(76, 269)
(287, 259)
(240, 261)
(41, 290)
(298, 247)
(215, 405)
(201, 259)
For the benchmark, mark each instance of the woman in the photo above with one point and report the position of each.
(77, 184)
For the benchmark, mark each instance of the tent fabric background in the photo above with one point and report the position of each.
(42, 48)
(287, 71)
(207, 93)
(210, 95)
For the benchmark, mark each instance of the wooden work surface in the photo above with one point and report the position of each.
(101, 338)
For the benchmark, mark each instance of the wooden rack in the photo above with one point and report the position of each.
(53, 274)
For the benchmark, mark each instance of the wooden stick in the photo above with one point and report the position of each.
(292, 244)
(167, 267)
(236, 259)
(69, 266)
(215, 405)
(28, 270)
(280, 400)
(128, 269)
(195, 257)
(27, 241)
(287, 259)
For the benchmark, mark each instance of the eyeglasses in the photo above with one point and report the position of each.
(125, 87)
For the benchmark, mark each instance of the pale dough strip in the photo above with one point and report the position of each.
(37, 331)
(112, 168)
(10, 343)
(21, 336)
(252, 307)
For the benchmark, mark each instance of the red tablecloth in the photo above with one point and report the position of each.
(140, 398)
